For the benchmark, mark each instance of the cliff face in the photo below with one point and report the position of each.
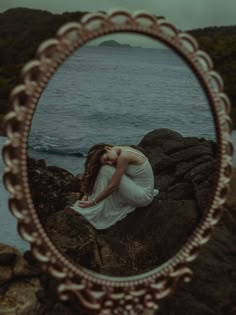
(22, 30)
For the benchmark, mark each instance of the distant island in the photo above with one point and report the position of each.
(114, 43)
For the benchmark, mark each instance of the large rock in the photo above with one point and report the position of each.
(19, 283)
(213, 287)
(51, 187)
(186, 160)
(184, 170)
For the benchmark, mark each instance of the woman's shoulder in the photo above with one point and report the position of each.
(134, 156)
(125, 151)
(133, 149)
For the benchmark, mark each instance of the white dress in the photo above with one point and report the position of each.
(136, 189)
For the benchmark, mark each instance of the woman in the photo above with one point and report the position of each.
(117, 179)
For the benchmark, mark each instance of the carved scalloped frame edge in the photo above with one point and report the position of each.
(103, 294)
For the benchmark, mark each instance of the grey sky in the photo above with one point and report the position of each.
(185, 14)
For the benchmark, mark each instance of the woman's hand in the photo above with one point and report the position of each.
(85, 198)
(85, 204)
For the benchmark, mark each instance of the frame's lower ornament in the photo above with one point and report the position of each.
(124, 300)
(102, 294)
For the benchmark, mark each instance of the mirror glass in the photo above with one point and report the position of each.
(156, 171)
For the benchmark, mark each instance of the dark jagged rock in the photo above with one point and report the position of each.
(7, 259)
(19, 282)
(184, 171)
(186, 160)
(24, 290)
(51, 187)
(212, 289)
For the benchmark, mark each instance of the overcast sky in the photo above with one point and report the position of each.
(185, 14)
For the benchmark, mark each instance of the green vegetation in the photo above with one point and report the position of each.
(22, 30)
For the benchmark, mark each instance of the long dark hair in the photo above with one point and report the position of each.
(92, 167)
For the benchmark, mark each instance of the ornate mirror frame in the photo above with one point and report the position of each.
(99, 293)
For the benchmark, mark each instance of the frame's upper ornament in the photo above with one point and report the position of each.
(103, 294)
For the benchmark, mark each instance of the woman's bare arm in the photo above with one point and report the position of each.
(121, 167)
(122, 164)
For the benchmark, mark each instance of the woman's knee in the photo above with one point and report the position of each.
(107, 170)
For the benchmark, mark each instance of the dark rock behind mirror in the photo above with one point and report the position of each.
(185, 173)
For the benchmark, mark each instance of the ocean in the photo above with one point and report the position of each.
(115, 95)
(111, 95)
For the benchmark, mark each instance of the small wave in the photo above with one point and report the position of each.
(52, 145)
(73, 152)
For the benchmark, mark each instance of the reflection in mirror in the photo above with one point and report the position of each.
(143, 192)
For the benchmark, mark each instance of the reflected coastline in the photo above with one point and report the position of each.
(146, 98)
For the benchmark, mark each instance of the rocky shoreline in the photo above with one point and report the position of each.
(184, 169)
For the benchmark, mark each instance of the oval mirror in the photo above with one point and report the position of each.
(117, 223)
(123, 95)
